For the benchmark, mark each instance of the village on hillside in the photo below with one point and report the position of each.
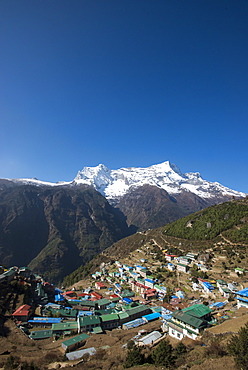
(127, 295)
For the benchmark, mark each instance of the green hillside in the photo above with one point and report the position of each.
(229, 219)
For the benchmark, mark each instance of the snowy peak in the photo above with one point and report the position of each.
(99, 177)
(167, 167)
(116, 183)
(113, 184)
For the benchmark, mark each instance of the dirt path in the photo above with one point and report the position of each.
(231, 243)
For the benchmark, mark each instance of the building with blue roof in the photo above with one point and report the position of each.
(85, 313)
(208, 288)
(44, 322)
(139, 267)
(134, 323)
(149, 283)
(59, 298)
(180, 294)
(151, 316)
(171, 266)
(218, 304)
(57, 291)
(127, 300)
(242, 298)
(134, 275)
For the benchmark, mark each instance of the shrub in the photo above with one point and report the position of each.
(134, 357)
(52, 357)
(100, 354)
(180, 350)
(11, 363)
(130, 344)
(215, 349)
(163, 355)
(237, 347)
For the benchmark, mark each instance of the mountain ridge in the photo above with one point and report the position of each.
(113, 184)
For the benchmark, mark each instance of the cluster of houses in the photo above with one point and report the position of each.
(225, 289)
(142, 274)
(141, 281)
(184, 263)
(58, 314)
(81, 315)
(139, 278)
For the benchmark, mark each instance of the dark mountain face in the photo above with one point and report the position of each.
(55, 230)
(149, 207)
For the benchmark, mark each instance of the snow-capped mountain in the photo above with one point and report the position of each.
(114, 184)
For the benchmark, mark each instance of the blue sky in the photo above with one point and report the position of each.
(124, 83)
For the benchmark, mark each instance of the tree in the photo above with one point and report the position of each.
(11, 363)
(180, 350)
(162, 355)
(168, 295)
(134, 357)
(130, 344)
(237, 347)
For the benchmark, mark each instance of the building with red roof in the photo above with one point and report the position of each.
(99, 285)
(96, 295)
(22, 313)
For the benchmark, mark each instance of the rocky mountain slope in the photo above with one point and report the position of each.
(55, 230)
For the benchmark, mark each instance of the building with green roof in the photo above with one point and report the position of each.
(97, 330)
(7, 276)
(89, 304)
(123, 317)
(61, 312)
(104, 312)
(88, 323)
(40, 334)
(110, 321)
(138, 311)
(182, 267)
(127, 294)
(199, 310)
(75, 342)
(102, 303)
(189, 322)
(69, 327)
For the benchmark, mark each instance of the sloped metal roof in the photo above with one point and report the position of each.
(74, 340)
(197, 310)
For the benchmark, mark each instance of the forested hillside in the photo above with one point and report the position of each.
(230, 219)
